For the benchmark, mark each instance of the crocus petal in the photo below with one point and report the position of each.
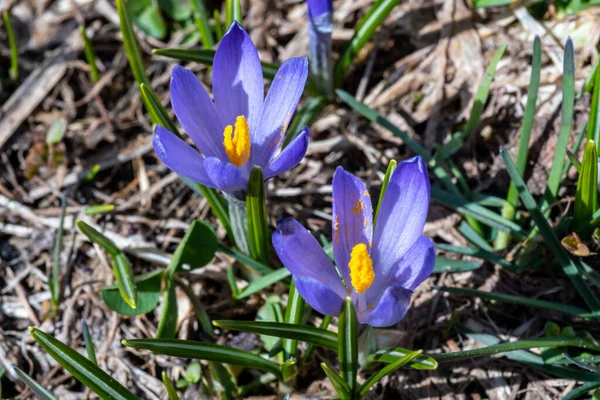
(179, 156)
(225, 176)
(352, 218)
(401, 217)
(277, 111)
(391, 308)
(416, 266)
(319, 7)
(314, 274)
(196, 112)
(238, 85)
(290, 156)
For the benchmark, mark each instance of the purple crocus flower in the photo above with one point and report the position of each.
(320, 26)
(240, 128)
(378, 270)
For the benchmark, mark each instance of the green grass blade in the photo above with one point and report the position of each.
(256, 212)
(156, 109)
(167, 325)
(586, 196)
(506, 298)
(309, 334)
(468, 251)
(307, 114)
(204, 351)
(82, 369)
(448, 265)
(338, 383)
(89, 344)
(201, 19)
(243, 258)
(96, 237)
(508, 211)
(263, 282)
(171, 392)
(99, 209)
(386, 179)
(422, 362)
(364, 31)
(54, 281)
(473, 236)
(554, 177)
(575, 150)
(294, 311)
(13, 71)
(35, 387)
(388, 369)
(218, 25)
(348, 344)
(581, 390)
(90, 56)
(124, 276)
(311, 347)
(569, 265)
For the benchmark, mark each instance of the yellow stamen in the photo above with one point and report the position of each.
(237, 142)
(361, 268)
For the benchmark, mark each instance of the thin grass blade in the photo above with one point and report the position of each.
(294, 311)
(89, 343)
(35, 387)
(348, 344)
(339, 384)
(388, 369)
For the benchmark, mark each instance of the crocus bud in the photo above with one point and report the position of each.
(320, 26)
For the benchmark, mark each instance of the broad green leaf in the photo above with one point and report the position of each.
(263, 282)
(193, 373)
(303, 333)
(57, 131)
(89, 344)
(570, 266)
(35, 387)
(169, 386)
(348, 344)
(294, 311)
(566, 121)
(176, 9)
(506, 298)
(204, 351)
(508, 211)
(90, 56)
(96, 237)
(256, 213)
(148, 294)
(586, 196)
(392, 355)
(151, 22)
(388, 369)
(81, 368)
(443, 264)
(205, 56)
(196, 249)
(364, 31)
(167, 326)
(386, 179)
(339, 384)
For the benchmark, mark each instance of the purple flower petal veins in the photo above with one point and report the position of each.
(379, 270)
(240, 128)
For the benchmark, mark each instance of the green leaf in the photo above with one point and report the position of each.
(57, 131)
(176, 9)
(478, 253)
(386, 179)
(13, 71)
(388, 369)
(473, 236)
(35, 387)
(364, 31)
(54, 280)
(167, 326)
(151, 22)
(569, 265)
(581, 390)
(96, 237)
(508, 211)
(271, 311)
(263, 282)
(156, 109)
(303, 333)
(255, 265)
(450, 265)
(196, 249)
(148, 294)
(205, 351)
(170, 388)
(311, 347)
(339, 384)
(89, 344)
(586, 196)
(99, 209)
(81, 368)
(201, 18)
(205, 56)
(348, 344)
(256, 213)
(566, 116)
(125, 280)
(90, 56)
(294, 311)
(193, 373)
(421, 362)
(506, 298)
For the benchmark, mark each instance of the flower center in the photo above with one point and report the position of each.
(237, 141)
(361, 268)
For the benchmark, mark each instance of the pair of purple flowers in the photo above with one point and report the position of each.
(377, 267)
